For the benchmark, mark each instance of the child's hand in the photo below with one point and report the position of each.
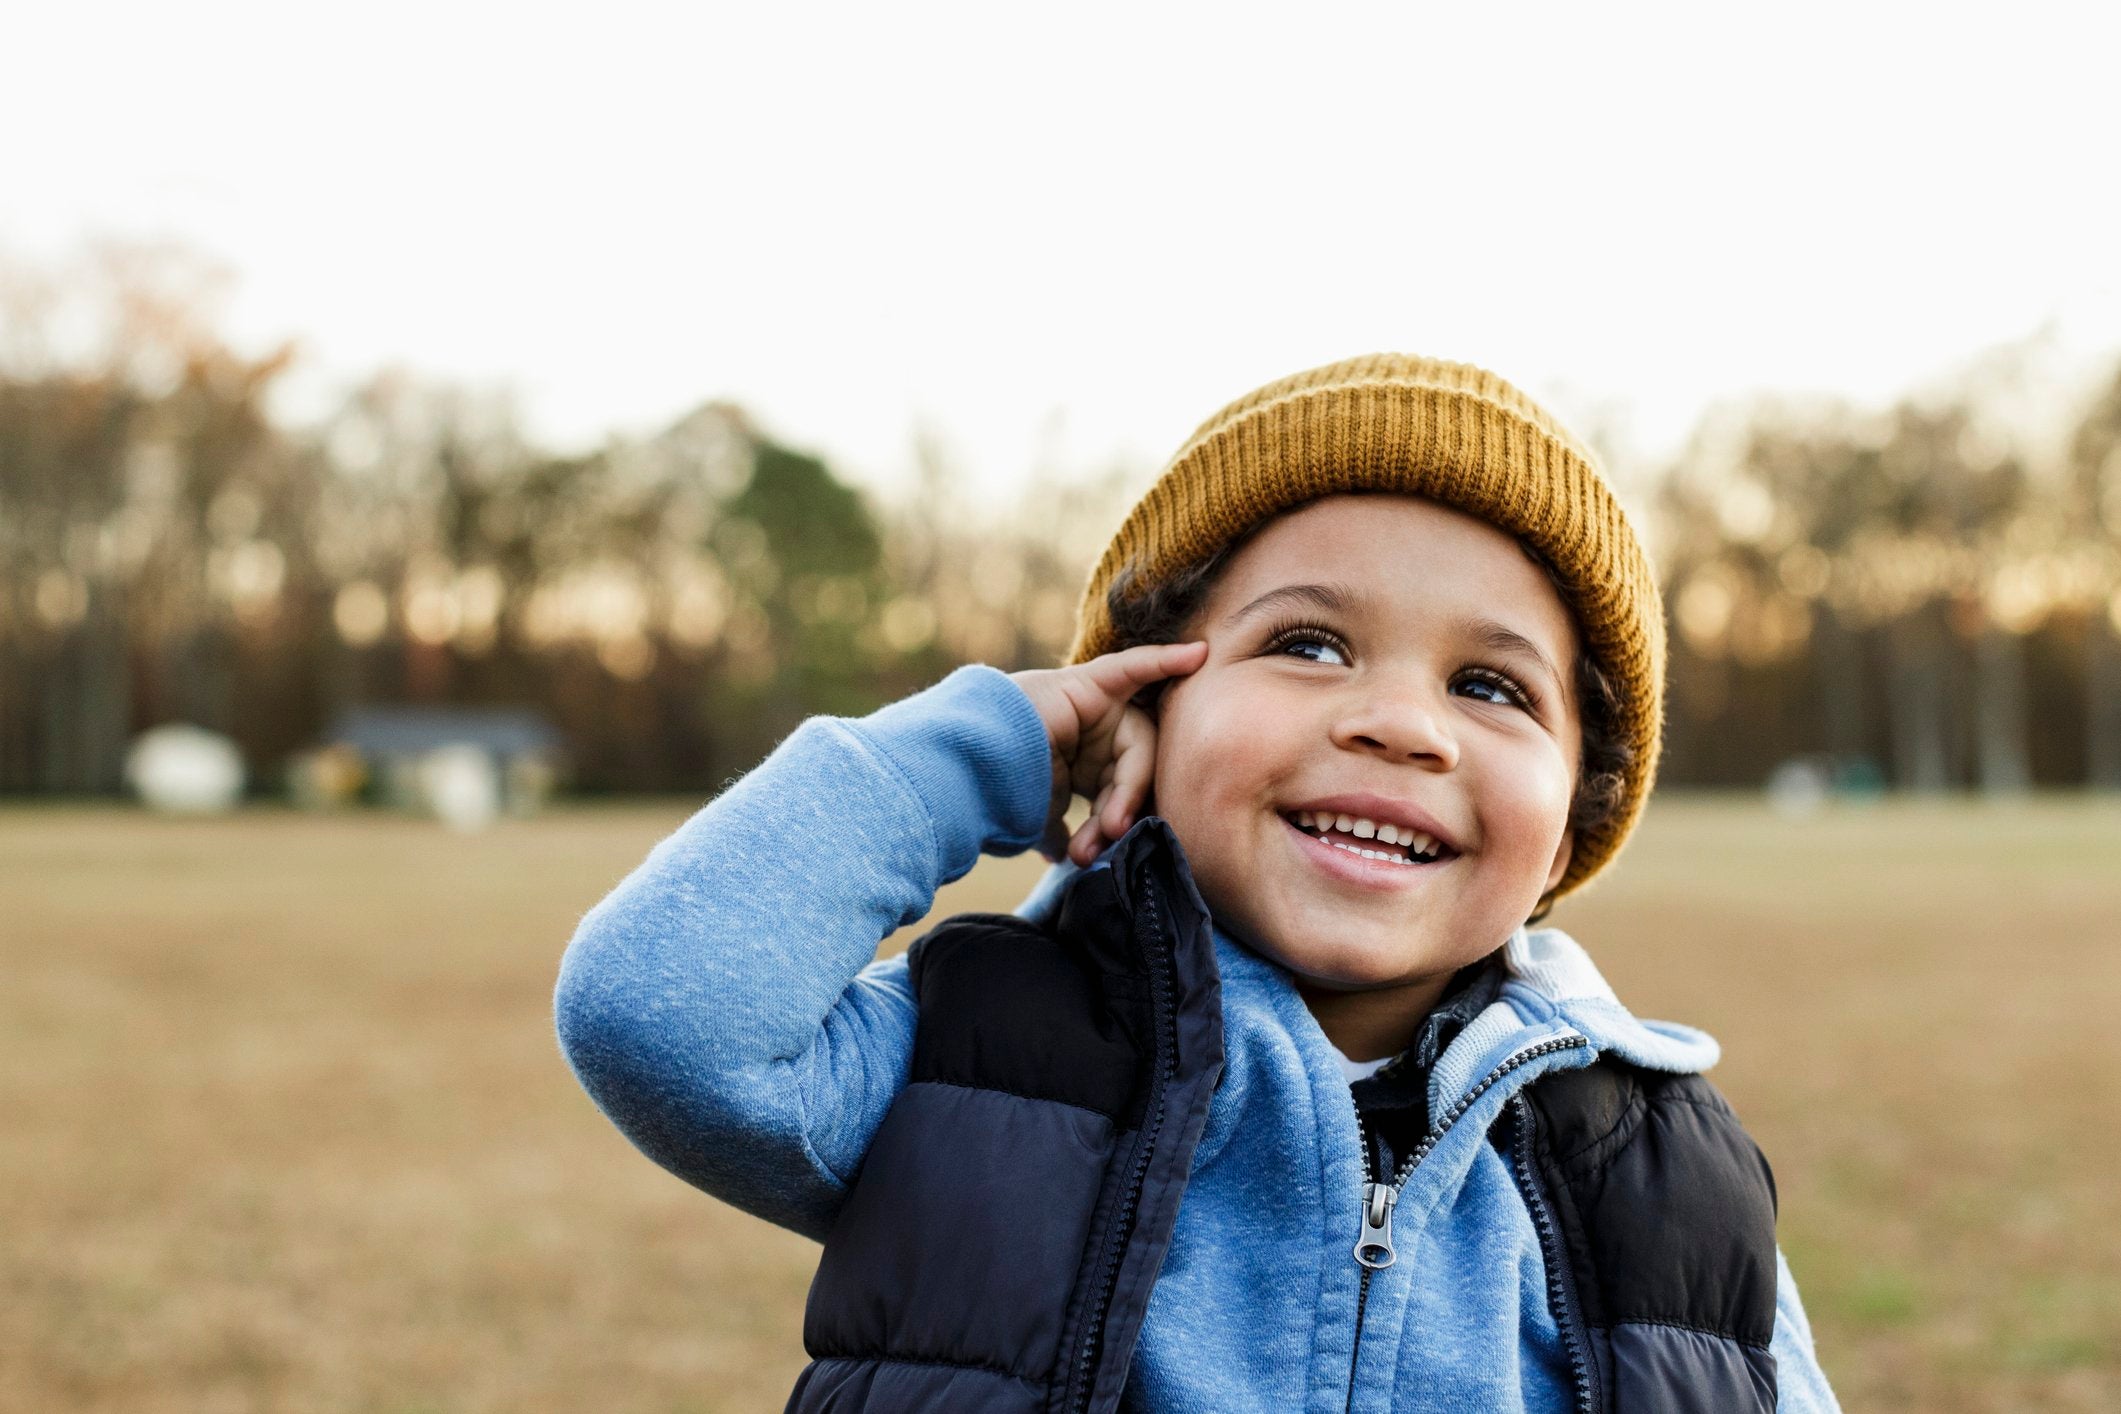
(1104, 746)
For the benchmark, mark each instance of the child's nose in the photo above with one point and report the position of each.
(1405, 725)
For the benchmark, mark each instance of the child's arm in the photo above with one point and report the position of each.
(1801, 1386)
(721, 1006)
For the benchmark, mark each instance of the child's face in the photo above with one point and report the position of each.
(1392, 702)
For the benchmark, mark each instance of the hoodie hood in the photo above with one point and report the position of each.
(1547, 967)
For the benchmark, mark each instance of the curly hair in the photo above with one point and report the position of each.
(1162, 613)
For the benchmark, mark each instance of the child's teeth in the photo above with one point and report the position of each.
(1423, 847)
(1376, 854)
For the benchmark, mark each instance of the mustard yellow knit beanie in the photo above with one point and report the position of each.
(1455, 434)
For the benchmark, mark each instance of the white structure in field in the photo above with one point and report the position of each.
(464, 765)
(462, 785)
(185, 770)
(1800, 787)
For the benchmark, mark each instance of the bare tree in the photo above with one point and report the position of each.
(2094, 504)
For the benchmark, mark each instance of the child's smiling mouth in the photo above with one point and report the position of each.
(1362, 850)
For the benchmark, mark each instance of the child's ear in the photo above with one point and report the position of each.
(1562, 854)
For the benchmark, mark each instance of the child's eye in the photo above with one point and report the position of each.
(1508, 691)
(1289, 636)
(1315, 643)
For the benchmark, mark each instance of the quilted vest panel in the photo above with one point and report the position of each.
(1666, 1209)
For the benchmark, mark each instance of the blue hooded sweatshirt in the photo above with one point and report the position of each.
(724, 1009)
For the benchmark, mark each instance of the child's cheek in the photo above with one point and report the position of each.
(1192, 762)
(1533, 810)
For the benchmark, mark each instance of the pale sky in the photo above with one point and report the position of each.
(1062, 235)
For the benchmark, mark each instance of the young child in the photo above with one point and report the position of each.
(1268, 1098)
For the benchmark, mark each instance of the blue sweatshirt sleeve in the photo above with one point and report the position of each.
(722, 1005)
(1800, 1385)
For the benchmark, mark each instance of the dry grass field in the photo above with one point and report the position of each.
(285, 1127)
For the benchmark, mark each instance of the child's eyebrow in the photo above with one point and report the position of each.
(1333, 598)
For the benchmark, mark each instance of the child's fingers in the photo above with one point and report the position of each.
(1133, 774)
(1081, 705)
(1120, 675)
(1088, 840)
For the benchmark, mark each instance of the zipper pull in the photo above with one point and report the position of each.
(1374, 1248)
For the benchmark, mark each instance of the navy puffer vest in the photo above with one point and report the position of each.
(998, 1246)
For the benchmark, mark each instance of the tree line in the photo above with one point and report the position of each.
(1908, 595)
